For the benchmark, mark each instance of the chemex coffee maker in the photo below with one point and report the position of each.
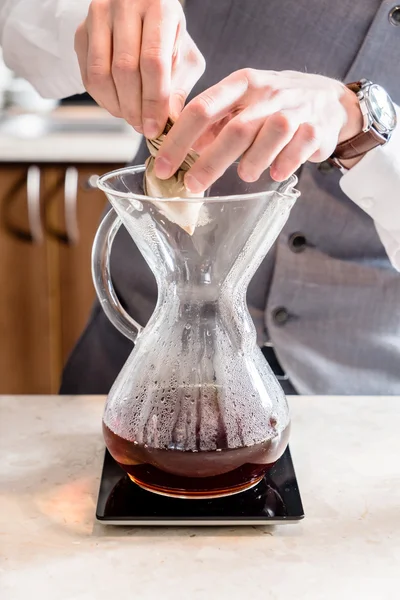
(196, 424)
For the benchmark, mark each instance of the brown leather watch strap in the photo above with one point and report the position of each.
(358, 145)
(354, 87)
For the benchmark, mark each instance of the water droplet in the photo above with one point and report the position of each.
(187, 326)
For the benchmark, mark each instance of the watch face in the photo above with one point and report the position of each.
(382, 109)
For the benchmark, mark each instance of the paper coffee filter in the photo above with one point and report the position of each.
(184, 214)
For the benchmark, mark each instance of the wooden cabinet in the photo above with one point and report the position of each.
(24, 296)
(48, 219)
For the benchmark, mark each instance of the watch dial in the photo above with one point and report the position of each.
(382, 108)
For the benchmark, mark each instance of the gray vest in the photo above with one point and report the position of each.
(331, 303)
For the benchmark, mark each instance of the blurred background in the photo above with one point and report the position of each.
(51, 154)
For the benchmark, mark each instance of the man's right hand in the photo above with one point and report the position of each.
(137, 60)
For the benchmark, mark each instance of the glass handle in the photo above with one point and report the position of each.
(102, 277)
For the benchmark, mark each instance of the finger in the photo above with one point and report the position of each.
(100, 83)
(189, 66)
(209, 107)
(211, 133)
(158, 40)
(233, 140)
(127, 38)
(303, 145)
(328, 141)
(276, 133)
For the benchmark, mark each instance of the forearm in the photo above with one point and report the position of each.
(37, 37)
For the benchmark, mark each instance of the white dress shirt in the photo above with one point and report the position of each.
(37, 37)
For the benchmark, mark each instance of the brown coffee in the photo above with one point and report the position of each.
(188, 474)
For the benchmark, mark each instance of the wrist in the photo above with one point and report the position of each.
(353, 124)
(354, 118)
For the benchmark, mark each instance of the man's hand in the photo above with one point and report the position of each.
(268, 118)
(137, 60)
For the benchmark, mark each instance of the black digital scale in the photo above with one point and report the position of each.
(276, 499)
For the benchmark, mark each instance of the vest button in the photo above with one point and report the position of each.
(297, 242)
(325, 167)
(280, 316)
(394, 15)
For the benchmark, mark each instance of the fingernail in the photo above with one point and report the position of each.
(275, 174)
(151, 128)
(248, 177)
(193, 185)
(163, 168)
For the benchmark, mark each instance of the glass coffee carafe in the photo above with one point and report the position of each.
(196, 411)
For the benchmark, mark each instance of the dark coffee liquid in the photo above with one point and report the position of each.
(188, 474)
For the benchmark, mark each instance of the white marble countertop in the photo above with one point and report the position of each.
(346, 453)
(69, 134)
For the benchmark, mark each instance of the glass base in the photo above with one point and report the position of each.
(194, 494)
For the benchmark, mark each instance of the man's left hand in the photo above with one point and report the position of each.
(268, 118)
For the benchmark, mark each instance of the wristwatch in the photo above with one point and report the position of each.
(380, 120)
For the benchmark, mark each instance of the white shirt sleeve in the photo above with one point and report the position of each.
(37, 37)
(374, 185)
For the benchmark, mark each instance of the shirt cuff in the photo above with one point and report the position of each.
(374, 183)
